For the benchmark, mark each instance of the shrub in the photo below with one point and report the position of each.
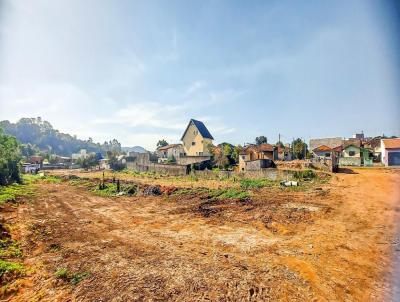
(305, 174)
(254, 183)
(230, 194)
(11, 267)
(73, 278)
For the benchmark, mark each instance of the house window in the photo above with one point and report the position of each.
(193, 143)
(327, 155)
(201, 153)
(243, 156)
(352, 153)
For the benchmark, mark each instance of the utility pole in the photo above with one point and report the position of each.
(279, 135)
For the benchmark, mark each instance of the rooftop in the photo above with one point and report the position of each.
(392, 143)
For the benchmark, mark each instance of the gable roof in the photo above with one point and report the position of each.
(169, 147)
(391, 143)
(322, 148)
(201, 127)
(258, 148)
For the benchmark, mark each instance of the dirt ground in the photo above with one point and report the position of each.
(331, 243)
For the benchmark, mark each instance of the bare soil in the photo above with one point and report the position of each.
(332, 243)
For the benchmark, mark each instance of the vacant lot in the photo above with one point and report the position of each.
(327, 241)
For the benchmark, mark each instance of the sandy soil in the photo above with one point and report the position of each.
(333, 243)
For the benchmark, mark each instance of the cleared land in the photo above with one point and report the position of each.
(325, 241)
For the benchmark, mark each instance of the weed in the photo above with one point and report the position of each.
(11, 267)
(78, 277)
(305, 174)
(73, 278)
(230, 194)
(255, 183)
(62, 273)
(12, 192)
(10, 249)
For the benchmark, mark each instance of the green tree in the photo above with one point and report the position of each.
(162, 143)
(299, 149)
(9, 159)
(88, 162)
(261, 140)
(236, 152)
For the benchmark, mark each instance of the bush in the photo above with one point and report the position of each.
(73, 278)
(9, 160)
(254, 183)
(305, 174)
(230, 194)
(11, 267)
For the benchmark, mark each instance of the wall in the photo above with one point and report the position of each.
(272, 174)
(255, 165)
(350, 161)
(386, 155)
(159, 168)
(201, 144)
(188, 160)
(329, 164)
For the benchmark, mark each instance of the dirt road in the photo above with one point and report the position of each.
(329, 244)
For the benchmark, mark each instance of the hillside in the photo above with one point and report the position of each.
(138, 149)
(36, 134)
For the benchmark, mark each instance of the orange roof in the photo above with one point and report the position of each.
(266, 147)
(168, 147)
(392, 143)
(322, 148)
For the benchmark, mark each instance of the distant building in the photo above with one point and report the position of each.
(82, 154)
(331, 142)
(257, 157)
(355, 155)
(390, 149)
(196, 139)
(359, 135)
(170, 152)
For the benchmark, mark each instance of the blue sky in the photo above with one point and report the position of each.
(139, 70)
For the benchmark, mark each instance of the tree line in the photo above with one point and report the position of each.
(38, 136)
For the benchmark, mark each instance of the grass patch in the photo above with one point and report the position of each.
(11, 267)
(110, 190)
(255, 183)
(230, 193)
(73, 278)
(10, 249)
(14, 191)
(305, 174)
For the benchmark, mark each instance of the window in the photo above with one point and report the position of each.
(243, 156)
(327, 155)
(193, 143)
(352, 153)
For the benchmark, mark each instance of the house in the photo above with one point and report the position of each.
(170, 152)
(35, 159)
(331, 142)
(30, 168)
(374, 144)
(390, 149)
(257, 157)
(196, 139)
(283, 153)
(326, 151)
(82, 154)
(104, 164)
(355, 155)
